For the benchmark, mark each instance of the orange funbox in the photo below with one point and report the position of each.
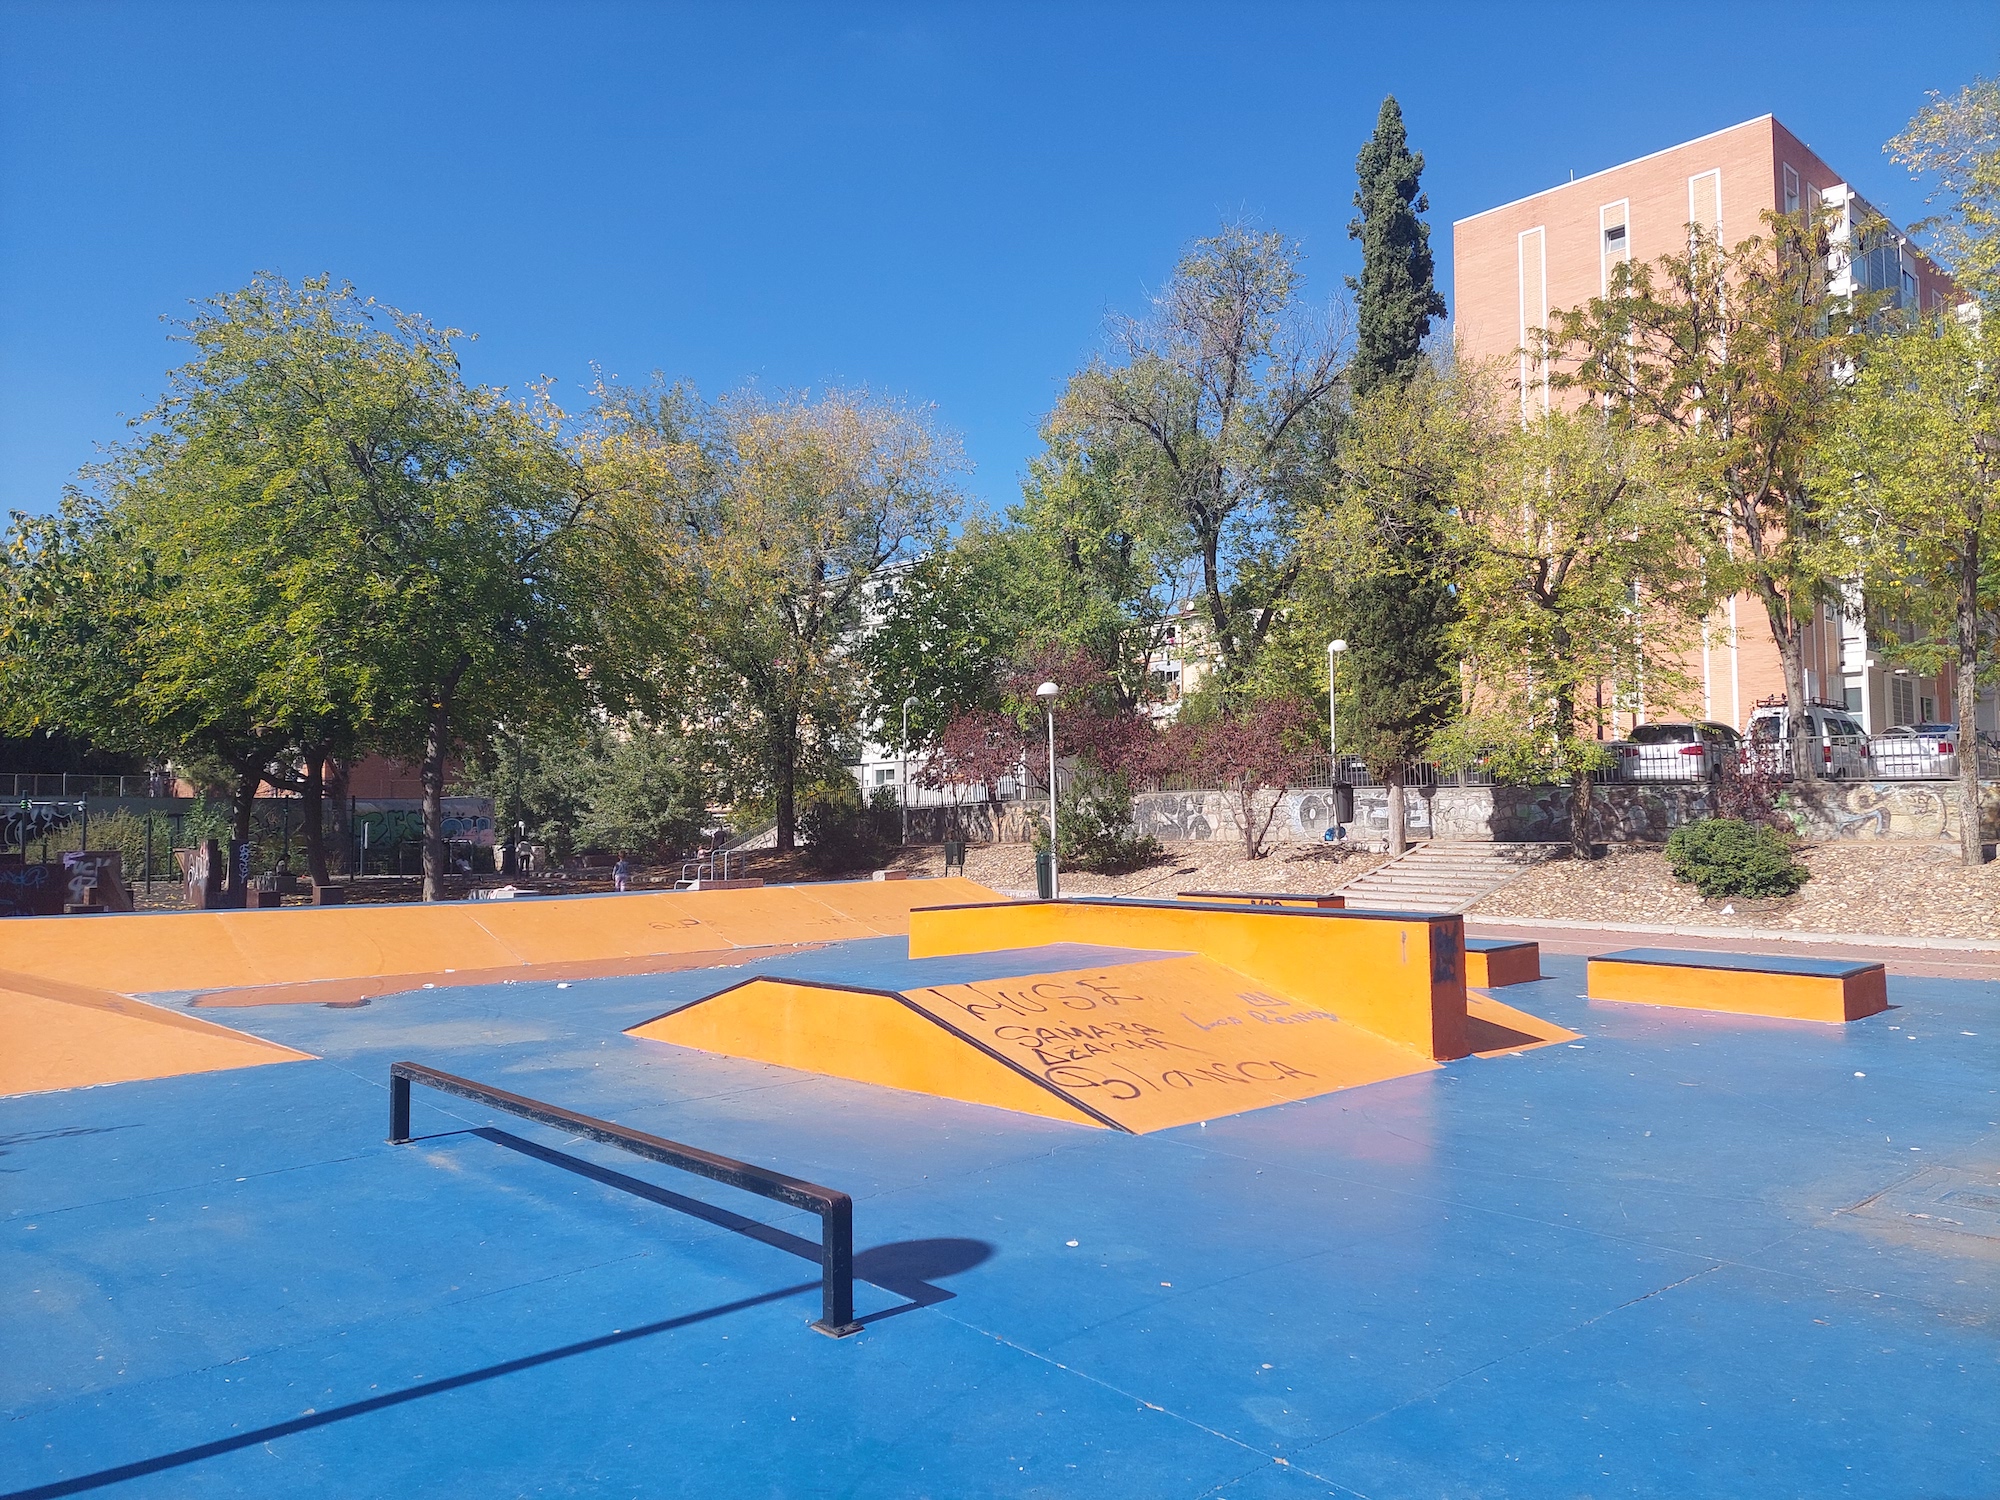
(1135, 1047)
(1801, 989)
(1397, 974)
(1493, 962)
(1324, 900)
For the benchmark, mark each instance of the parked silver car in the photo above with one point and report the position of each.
(1838, 737)
(1675, 752)
(1916, 750)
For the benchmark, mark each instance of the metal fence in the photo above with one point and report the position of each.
(1844, 758)
(14, 784)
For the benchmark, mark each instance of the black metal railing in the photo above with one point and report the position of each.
(835, 1210)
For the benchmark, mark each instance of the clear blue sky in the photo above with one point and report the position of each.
(940, 201)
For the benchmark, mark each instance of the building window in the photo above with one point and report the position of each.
(1614, 242)
(884, 775)
(1930, 710)
(1705, 203)
(1902, 700)
(1791, 191)
(1850, 699)
(1532, 265)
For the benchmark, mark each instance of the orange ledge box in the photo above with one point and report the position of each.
(1493, 962)
(1323, 901)
(1755, 984)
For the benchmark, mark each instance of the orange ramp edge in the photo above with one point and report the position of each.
(1400, 975)
(64, 1036)
(1827, 998)
(1498, 1030)
(1139, 1047)
(232, 950)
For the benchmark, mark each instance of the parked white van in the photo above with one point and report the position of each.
(1836, 735)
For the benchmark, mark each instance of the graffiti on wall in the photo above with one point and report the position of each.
(21, 823)
(1873, 810)
(1177, 815)
(1619, 814)
(387, 826)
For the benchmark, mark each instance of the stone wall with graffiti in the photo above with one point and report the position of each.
(1923, 810)
(386, 825)
(978, 823)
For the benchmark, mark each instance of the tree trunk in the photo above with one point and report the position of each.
(1579, 816)
(785, 763)
(343, 821)
(1392, 778)
(437, 745)
(1971, 837)
(249, 776)
(1805, 751)
(312, 805)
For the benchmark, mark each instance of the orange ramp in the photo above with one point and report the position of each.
(1136, 1047)
(1754, 984)
(230, 950)
(63, 1036)
(1400, 975)
(1496, 1029)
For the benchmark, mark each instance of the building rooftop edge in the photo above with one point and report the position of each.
(1616, 167)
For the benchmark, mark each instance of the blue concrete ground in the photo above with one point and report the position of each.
(1687, 1256)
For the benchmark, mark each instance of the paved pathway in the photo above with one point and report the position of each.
(1940, 958)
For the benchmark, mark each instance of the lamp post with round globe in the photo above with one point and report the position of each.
(1047, 693)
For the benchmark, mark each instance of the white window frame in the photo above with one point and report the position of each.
(1530, 362)
(1604, 228)
(1694, 214)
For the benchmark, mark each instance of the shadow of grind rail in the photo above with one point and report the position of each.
(835, 1210)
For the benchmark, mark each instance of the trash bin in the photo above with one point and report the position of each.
(1045, 875)
(954, 856)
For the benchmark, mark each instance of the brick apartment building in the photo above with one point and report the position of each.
(1516, 264)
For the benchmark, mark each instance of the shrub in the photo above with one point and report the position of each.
(839, 830)
(1729, 857)
(1095, 821)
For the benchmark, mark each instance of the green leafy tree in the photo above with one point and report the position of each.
(1212, 414)
(1578, 570)
(1397, 295)
(322, 540)
(1910, 476)
(768, 522)
(1089, 564)
(1729, 360)
(1957, 141)
(942, 633)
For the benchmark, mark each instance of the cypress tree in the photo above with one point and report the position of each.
(1398, 297)
(1403, 685)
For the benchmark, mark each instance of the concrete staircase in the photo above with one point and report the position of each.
(1445, 877)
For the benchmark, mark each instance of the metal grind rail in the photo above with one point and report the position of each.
(835, 1210)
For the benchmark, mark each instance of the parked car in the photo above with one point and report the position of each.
(1916, 750)
(1675, 752)
(1842, 745)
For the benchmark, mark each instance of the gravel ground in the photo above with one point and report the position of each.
(1914, 890)
(1186, 866)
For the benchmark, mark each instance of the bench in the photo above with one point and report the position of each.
(1492, 962)
(1753, 984)
(1326, 900)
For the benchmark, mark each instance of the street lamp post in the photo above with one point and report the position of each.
(1334, 651)
(1047, 693)
(903, 771)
